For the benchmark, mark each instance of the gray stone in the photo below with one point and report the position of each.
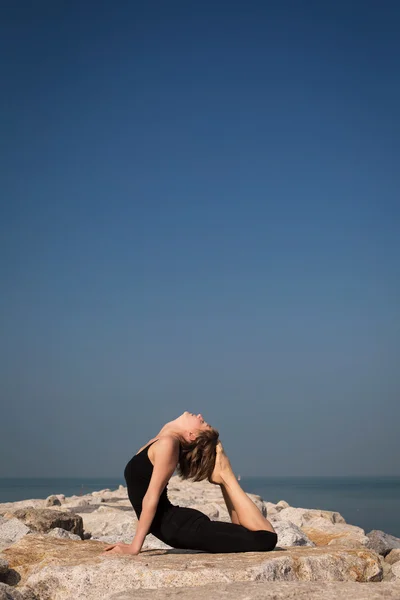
(382, 542)
(62, 533)
(8, 592)
(3, 567)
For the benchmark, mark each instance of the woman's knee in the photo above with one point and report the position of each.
(268, 540)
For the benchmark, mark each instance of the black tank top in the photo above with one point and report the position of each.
(137, 475)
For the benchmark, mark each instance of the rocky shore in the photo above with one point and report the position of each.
(51, 550)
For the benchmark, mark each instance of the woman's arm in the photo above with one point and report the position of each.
(166, 456)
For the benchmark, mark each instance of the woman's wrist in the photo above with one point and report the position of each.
(135, 546)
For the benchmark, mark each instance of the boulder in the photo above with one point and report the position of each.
(52, 501)
(61, 569)
(393, 556)
(212, 510)
(323, 532)
(304, 516)
(12, 530)
(396, 571)
(62, 533)
(382, 542)
(8, 592)
(271, 510)
(108, 521)
(281, 505)
(291, 535)
(44, 519)
(3, 567)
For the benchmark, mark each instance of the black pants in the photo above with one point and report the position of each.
(188, 528)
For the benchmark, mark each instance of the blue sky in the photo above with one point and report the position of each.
(200, 211)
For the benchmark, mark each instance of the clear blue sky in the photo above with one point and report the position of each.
(200, 211)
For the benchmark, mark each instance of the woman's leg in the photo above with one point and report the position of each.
(229, 506)
(239, 505)
(189, 528)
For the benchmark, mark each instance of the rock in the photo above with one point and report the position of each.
(108, 521)
(3, 567)
(281, 505)
(304, 516)
(211, 510)
(79, 570)
(259, 502)
(52, 501)
(8, 592)
(323, 532)
(62, 533)
(6, 507)
(12, 530)
(271, 510)
(291, 535)
(382, 542)
(272, 590)
(396, 571)
(393, 556)
(44, 519)
(101, 492)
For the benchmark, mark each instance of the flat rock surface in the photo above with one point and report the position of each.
(273, 590)
(61, 569)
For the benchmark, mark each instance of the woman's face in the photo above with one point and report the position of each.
(192, 421)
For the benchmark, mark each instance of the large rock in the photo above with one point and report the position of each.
(109, 521)
(393, 556)
(396, 571)
(44, 519)
(272, 590)
(291, 535)
(60, 569)
(304, 516)
(6, 507)
(11, 530)
(323, 532)
(382, 542)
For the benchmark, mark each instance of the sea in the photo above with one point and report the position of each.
(369, 502)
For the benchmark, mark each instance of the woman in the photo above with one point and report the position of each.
(190, 445)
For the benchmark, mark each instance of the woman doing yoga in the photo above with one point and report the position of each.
(191, 446)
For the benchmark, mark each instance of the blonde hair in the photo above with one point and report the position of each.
(197, 458)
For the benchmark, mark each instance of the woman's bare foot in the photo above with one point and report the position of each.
(222, 466)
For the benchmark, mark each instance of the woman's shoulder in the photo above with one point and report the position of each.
(167, 441)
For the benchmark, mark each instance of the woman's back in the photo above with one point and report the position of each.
(137, 475)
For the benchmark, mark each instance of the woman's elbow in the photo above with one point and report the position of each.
(151, 500)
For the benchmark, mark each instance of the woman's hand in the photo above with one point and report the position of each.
(121, 548)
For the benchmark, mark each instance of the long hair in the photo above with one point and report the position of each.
(197, 458)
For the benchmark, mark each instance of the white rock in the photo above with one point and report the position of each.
(303, 516)
(58, 532)
(291, 535)
(13, 530)
(396, 571)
